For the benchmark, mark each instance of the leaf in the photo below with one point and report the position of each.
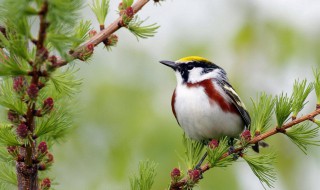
(145, 178)
(261, 165)
(261, 113)
(304, 135)
(299, 95)
(193, 150)
(9, 99)
(283, 108)
(8, 175)
(100, 9)
(8, 136)
(136, 28)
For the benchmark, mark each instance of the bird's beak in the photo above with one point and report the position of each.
(171, 64)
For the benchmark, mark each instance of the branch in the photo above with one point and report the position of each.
(178, 185)
(101, 36)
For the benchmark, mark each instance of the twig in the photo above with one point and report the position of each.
(178, 185)
(102, 35)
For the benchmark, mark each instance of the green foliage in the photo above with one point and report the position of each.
(193, 150)
(9, 99)
(8, 136)
(8, 178)
(126, 3)
(100, 9)
(145, 178)
(82, 33)
(262, 113)
(316, 73)
(215, 154)
(12, 66)
(65, 82)
(261, 165)
(56, 125)
(4, 155)
(136, 28)
(303, 135)
(299, 95)
(283, 108)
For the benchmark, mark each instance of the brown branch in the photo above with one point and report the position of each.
(102, 35)
(178, 185)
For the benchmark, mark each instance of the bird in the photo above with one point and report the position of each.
(204, 103)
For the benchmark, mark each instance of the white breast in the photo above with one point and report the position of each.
(202, 119)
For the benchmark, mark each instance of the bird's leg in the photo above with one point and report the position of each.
(201, 161)
(231, 148)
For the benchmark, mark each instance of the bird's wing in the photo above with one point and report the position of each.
(236, 101)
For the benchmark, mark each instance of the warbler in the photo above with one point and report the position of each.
(204, 103)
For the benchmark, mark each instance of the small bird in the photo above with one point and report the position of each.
(204, 103)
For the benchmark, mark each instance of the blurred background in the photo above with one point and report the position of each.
(124, 105)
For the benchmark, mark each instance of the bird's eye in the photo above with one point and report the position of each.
(189, 67)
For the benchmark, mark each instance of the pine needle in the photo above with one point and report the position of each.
(283, 108)
(145, 178)
(193, 150)
(299, 95)
(215, 154)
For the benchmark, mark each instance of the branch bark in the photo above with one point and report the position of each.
(178, 185)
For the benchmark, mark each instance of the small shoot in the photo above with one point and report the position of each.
(100, 9)
(299, 95)
(215, 153)
(283, 108)
(261, 166)
(82, 33)
(316, 73)
(304, 135)
(136, 28)
(126, 3)
(193, 150)
(262, 113)
(145, 178)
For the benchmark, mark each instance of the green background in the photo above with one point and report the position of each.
(124, 113)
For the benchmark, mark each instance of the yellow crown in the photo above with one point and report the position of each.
(193, 58)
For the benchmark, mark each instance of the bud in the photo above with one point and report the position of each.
(90, 47)
(194, 175)
(19, 84)
(92, 33)
(49, 158)
(112, 40)
(33, 91)
(41, 167)
(12, 150)
(129, 12)
(46, 183)
(22, 130)
(13, 116)
(42, 54)
(120, 6)
(47, 105)
(175, 174)
(246, 135)
(213, 144)
(42, 147)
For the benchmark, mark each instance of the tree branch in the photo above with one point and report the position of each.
(178, 185)
(101, 36)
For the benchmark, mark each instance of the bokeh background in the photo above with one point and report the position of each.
(124, 105)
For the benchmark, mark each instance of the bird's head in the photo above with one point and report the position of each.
(195, 69)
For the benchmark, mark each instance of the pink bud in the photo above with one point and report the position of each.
(213, 144)
(46, 183)
(90, 47)
(246, 135)
(92, 33)
(13, 116)
(11, 149)
(19, 84)
(129, 12)
(22, 130)
(175, 174)
(120, 6)
(50, 157)
(194, 175)
(48, 104)
(42, 147)
(33, 91)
